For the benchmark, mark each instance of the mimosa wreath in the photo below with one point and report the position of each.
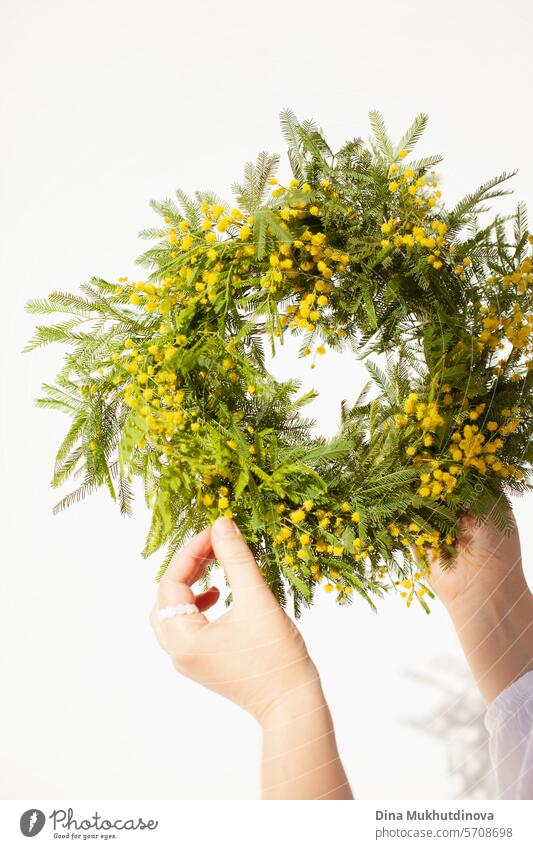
(166, 379)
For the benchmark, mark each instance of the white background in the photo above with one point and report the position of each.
(106, 105)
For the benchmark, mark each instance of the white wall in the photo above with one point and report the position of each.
(109, 104)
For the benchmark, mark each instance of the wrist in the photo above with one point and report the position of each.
(300, 755)
(303, 701)
(491, 602)
(495, 628)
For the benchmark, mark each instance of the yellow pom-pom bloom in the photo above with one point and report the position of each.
(298, 516)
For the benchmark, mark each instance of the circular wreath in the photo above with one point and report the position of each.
(166, 377)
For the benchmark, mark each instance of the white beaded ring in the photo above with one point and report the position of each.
(176, 610)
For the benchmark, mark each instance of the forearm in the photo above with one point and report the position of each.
(496, 634)
(300, 756)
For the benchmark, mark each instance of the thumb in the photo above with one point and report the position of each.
(239, 564)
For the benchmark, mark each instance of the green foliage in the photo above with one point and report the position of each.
(165, 379)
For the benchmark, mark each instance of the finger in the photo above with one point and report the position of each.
(204, 601)
(186, 567)
(239, 564)
(466, 527)
(189, 563)
(207, 599)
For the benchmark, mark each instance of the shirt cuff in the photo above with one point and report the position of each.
(517, 695)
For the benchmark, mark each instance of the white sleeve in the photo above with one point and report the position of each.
(509, 721)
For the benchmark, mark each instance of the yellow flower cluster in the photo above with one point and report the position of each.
(522, 277)
(199, 260)
(426, 415)
(511, 333)
(302, 268)
(517, 329)
(217, 500)
(150, 384)
(418, 192)
(469, 447)
(412, 585)
(299, 268)
(313, 262)
(414, 536)
(405, 234)
(309, 532)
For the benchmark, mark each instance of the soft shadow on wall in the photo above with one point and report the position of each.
(457, 721)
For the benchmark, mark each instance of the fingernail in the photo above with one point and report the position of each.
(226, 527)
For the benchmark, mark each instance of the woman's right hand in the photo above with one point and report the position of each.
(253, 654)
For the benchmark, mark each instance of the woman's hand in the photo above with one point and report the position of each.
(485, 558)
(255, 656)
(489, 602)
